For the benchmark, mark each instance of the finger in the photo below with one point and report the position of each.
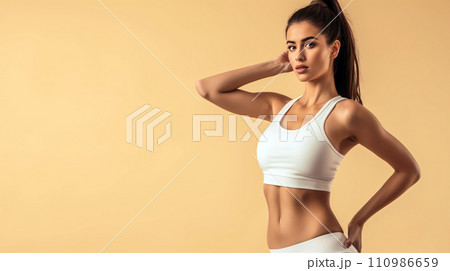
(348, 243)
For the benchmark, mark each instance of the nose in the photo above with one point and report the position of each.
(300, 57)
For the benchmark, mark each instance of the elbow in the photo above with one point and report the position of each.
(417, 174)
(414, 170)
(412, 174)
(201, 89)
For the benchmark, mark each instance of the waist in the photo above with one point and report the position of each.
(293, 205)
(291, 221)
(294, 228)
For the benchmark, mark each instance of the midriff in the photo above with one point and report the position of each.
(290, 222)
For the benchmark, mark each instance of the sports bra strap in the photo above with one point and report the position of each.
(326, 111)
(285, 109)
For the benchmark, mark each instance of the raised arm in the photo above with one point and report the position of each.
(222, 90)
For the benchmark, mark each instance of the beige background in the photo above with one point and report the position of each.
(70, 74)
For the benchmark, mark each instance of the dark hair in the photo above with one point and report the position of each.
(345, 66)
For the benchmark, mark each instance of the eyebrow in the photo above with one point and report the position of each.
(303, 40)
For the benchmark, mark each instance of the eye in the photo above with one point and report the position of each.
(311, 45)
(289, 47)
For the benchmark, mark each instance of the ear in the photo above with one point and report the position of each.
(335, 47)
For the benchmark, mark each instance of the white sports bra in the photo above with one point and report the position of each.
(301, 158)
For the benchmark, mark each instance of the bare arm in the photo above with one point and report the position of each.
(368, 132)
(222, 90)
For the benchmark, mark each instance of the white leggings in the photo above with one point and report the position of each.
(325, 243)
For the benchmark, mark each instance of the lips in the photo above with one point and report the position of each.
(301, 69)
(301, 66)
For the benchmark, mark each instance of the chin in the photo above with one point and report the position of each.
(303, 77)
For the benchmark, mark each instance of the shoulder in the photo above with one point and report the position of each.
(358, 121)
(349, 109)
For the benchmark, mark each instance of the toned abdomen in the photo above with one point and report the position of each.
(290, 222)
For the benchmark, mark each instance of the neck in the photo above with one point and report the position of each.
(319, 90)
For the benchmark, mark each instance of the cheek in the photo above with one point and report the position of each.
(318, 59)
(292, 56)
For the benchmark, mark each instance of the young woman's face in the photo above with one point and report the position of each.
(316, 54)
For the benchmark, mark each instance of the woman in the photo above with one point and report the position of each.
(299, 159)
